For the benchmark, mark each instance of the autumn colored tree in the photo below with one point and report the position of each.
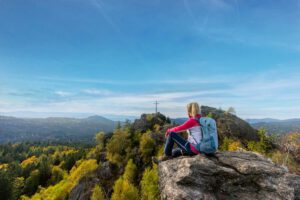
(100, 137)
(147, 147)
(118, 147)
(124, 188)
(149, 184)
(97, 193)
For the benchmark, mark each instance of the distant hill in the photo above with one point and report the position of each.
(14, 129)
(276, 126)
(179, 120)
(264, 120)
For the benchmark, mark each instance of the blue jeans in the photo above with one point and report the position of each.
(183, 146)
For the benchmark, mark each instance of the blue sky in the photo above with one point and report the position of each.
(111, 57)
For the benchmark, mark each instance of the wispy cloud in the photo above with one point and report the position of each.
(215, 79)
(253, 95)
(93, 91)
(63, 93)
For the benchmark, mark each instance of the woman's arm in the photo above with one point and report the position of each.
(183, 127)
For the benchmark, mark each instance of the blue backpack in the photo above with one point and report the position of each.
(209, 141)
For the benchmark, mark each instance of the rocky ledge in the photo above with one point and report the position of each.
(227, 175)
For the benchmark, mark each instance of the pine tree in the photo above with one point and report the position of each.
(98, 193)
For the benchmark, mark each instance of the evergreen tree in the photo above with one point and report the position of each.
(147, 147)
(149, 184)
(124, 190)
(6, 186)
(130, 171)
(97, 193)
(119, 147)
(100, 140)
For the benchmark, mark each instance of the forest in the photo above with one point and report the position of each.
(114, 166)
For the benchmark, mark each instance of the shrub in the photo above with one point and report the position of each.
(225, 145)
(149, 184)
(5, 185)
(130, 171)
(100, 137)
(262, 146)
(97, 193)
(61, 190)
(235, 145)
(285, 159)
(124, 190)
(118, 148)
(147, 147)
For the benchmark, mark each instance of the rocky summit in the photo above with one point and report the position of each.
(226, 175)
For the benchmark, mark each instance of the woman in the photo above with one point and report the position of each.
(185, 147)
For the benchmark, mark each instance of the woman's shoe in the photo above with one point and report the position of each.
(161, 159)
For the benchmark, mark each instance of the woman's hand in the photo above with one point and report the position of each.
(167, 133)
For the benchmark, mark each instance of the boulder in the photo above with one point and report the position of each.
(226, 175)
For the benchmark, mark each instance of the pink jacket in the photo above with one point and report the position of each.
(192, 126)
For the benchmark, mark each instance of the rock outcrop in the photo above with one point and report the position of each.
(147, 121)
(103, 176)
(227, 175)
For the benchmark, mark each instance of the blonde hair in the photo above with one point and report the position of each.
(193, 109)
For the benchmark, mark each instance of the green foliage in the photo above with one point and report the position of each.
(70, 157)
(44, 169)
(100, 137)
(18, 185)
(37, 165)
(284, 158)
(262, 146)
(118, 147)
(57, 175)
(6, 187)
(32, 182)
(98, 193)
(160, 150)
(124, 190)
(130, 171)
(230, 145)
(209, 115)
(147, 147)
(226, 143)
(118, 125)
(149, 117)
(50, 171)
(61, 190)
(149, 184)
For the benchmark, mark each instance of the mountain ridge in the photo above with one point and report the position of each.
(13, 129)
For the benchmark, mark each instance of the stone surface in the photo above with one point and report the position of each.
(83, 189)
(102, 176)
(227, 175)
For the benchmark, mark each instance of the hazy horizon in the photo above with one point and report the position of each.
(114, 58)
(86, 115)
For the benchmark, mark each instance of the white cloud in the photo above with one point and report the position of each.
(198, 80)
(63, 93)
(93, 91)
(268, 94)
